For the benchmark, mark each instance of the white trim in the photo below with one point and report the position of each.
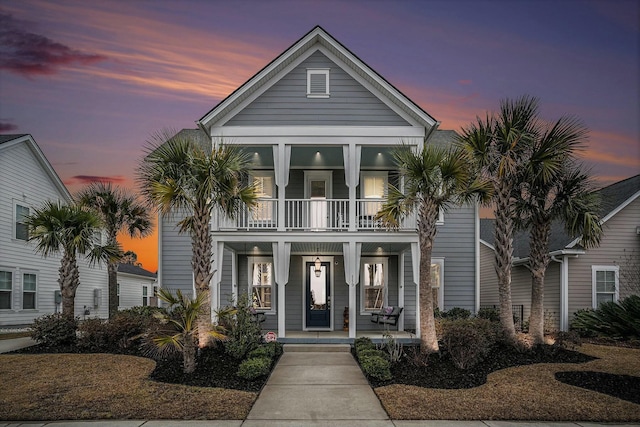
(318, 175)
(385, 289)
(251, 260)
(306, 132)
(477, 257)
(564, 294)
(594, 293)
(318, 71)
(401, 289)
(330, 260)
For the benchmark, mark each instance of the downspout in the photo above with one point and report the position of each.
(564, 292)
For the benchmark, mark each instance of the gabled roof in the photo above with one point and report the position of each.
(8, 141)
(614, 198)
(135, 270)
(306, 45)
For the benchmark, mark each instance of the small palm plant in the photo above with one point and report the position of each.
(181, 316)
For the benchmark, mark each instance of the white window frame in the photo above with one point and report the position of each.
(270, 204)
(594, 295)
(145, 296)
(15, 221)
(262, 260)
(11, 290)
(385, 291)
(440, 262)
(318, 71)
(35, 291)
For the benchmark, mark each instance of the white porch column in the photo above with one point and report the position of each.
(401, 290)
(415, 264)
(217, 260)
(352, 154)
(351, 252)
(281, 260)
(564, 294)
(281, 163)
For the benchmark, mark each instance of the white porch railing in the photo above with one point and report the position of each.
(310, 215)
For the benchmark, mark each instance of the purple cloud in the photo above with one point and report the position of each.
(7, 127)
(30, 54)
(88, 179)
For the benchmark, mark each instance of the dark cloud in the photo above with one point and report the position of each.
(7, 127)
(88, 179)
(29, 54)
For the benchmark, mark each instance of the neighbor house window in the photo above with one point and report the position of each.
(374, 284)
(6, 284)
(265, 191)
(29, 281)
(605, 284)
(437, 282)
(145, 296)
(22, 231)
(318, 83)
(261, 280)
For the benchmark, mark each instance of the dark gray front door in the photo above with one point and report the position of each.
(318, 296)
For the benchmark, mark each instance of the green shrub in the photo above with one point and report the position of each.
(468, 341)
(262, 351)
(456, 313)
(245, 334)
(619, 320)
(52, 330)
(363, 343)
(255, 367)
(275, 349)
(489, 313)
(369, 352)
(376, 367)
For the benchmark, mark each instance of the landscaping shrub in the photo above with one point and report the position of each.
(376, 367)
(245, 334)
(363, 343)
(489, 313)
(52, 330)
(394, 350)
(369, 352)
(468, 341)
(254, 367)
(270, 350)
(619, 320)
(455, 313)
(567, 340)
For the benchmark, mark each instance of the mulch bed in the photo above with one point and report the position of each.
(625, 387)
(440, 372)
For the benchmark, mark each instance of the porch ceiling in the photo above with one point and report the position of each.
(311, 248)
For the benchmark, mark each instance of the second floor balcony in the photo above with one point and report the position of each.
(313, 215)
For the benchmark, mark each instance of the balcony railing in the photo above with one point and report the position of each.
(311, 215)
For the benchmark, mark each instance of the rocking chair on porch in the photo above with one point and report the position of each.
(387, 316)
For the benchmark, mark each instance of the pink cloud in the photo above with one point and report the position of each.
(464, 82)
(88, 179)
(29, 54)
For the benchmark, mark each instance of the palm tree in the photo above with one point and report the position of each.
(182, 315)
(554, 187)
(499, 145)
(119, 211)
(180, 176)
(434, 179)
(68, 230)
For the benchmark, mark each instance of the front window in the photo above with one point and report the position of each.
(262, 284)
(6, 284)
(22, 231)
(373, 191)
(374, 284)
(605, 284)
(265, 191)
(29, 281)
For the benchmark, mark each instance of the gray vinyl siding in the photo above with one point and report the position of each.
(340, 298)
(175, 260)
(488, 277)
(295, 189)
(226, 280)
(286, 102)
(293, 298)
(455, 242)
(620, 238)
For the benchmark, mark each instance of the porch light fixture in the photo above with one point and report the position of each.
(317, 269)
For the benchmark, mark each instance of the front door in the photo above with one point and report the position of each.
(318, 296)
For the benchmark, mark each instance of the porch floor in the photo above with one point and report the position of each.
(342, 337)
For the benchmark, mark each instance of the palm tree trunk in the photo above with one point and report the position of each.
(538, 261)
(69, 279)
(112, 269)
(426, 232)
(189, 354)
(201, 264)
(504, 257)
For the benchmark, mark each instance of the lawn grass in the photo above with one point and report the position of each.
(105, 386)
(12, 335)
(523, 393)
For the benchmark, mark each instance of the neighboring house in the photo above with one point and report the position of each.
(28, 282)
(321, 127)
(136, 287)
(576, 278)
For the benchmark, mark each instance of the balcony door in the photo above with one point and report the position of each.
(318, 191)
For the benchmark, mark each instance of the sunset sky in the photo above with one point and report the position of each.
(92, 80)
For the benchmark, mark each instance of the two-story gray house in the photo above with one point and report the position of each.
(321, 126)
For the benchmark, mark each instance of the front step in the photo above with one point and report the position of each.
(317, 348)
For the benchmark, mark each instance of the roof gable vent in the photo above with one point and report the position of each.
(317, 83)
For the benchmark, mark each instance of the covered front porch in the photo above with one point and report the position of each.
(342, 337)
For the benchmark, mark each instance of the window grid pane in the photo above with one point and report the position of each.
(29, 282)
(22, 232)
(5, 280)
(261, 285)
(373, 286)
